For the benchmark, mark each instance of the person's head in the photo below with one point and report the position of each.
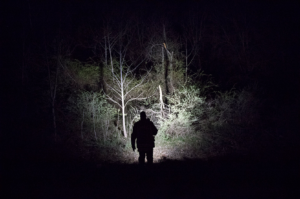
(143, 115)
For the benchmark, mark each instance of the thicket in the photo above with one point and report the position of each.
(195, 120)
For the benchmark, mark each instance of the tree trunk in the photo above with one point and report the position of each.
(164, 72)
(162, 106)
(94, 117)
(54, 119)
(171, 72)
(105, 51)
(123, 112)
(53, 97)
(186, 61)
(122, 95)
(124, 124)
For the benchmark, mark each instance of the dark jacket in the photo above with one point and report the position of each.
(143, 131)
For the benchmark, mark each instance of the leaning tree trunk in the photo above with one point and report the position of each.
(171, 71)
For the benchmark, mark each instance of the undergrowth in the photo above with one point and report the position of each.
(192, 125)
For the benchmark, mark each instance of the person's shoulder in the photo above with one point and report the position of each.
(137, 123)
(148, 120)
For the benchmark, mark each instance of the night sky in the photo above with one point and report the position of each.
(29, 168)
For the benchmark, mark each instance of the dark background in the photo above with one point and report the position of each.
(29, 167)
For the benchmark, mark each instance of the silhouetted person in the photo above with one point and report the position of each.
(144, 131)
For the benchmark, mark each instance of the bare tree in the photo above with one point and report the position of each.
(123, 85)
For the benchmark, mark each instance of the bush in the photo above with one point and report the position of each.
(94, 114)
(230, 121)
(183, 110)
(234, 108)
(222, 124)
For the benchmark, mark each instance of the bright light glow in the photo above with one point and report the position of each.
(163, 153)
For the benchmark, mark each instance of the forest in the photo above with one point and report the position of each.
(216, 79)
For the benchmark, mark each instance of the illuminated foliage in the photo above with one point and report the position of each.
(94, 114)
(184, 110)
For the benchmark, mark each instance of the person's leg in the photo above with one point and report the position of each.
(142, 156)
(150, 156)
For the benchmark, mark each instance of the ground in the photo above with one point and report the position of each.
(233, 176)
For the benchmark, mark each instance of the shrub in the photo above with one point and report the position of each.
(183, 110)
(94, 114)
(229, 121)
